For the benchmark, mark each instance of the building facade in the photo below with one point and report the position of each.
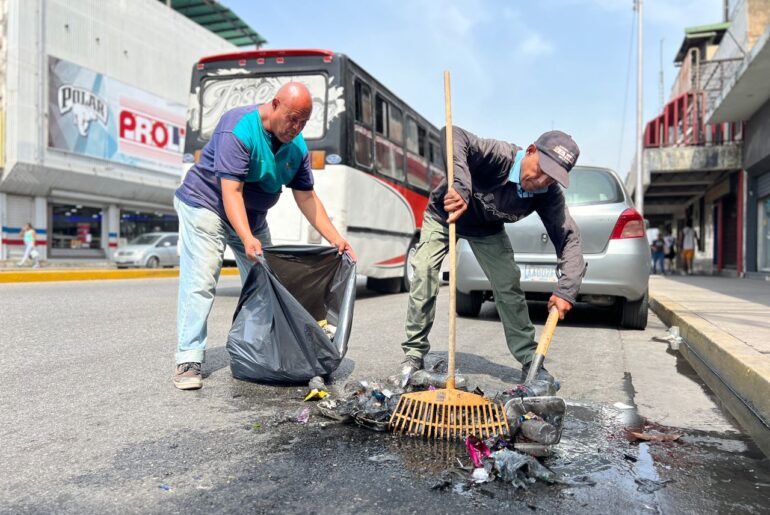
(707, 155)
(94, 101)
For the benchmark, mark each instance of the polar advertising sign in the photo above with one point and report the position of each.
(93, 115)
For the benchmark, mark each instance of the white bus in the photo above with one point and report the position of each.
(374, 158)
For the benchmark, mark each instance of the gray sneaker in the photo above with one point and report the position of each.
(409, 366)
(188, 376)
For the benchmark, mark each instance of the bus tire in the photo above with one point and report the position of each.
(406, 282)
(388, 285)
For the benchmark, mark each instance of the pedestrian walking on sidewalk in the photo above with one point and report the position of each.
(254, 151)
(688, 242)
(658, 255)
(496, 182)
(30, 252)
(669, 249)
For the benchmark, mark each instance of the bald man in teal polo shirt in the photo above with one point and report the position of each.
(255, 151)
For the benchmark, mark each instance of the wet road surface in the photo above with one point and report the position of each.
(102, 428)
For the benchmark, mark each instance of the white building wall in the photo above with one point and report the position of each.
(142, 43)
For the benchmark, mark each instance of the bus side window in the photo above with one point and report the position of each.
(437, 173)
(362, 142)
(396, 135)
(416, 164)
(389, 158)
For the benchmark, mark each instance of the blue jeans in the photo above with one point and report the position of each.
(203, 236)
(658, 261)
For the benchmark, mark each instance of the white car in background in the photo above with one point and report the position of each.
(150, 250)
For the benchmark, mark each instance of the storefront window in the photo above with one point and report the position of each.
(76, 230)
(135, 223)
(763, 235)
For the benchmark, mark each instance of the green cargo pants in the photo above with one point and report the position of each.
(495, 255)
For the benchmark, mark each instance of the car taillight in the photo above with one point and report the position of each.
(630, 224)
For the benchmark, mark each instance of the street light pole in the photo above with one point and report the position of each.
(639, 193)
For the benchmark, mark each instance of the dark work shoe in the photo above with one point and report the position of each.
(542, 375)
(188, 376)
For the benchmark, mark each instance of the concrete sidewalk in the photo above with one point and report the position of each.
(725, 323)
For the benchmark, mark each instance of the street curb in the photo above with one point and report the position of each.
(738, 374)
(36, 276)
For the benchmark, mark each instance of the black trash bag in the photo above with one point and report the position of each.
(276, 337)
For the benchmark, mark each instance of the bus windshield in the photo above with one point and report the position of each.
(222, 93)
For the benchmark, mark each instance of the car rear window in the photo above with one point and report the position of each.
(592, 186)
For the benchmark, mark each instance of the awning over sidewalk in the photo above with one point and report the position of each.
(220, 20)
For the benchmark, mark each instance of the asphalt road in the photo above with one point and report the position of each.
(92, 423)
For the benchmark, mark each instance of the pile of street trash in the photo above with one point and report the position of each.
(370, 404)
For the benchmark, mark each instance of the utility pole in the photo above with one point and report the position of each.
(638, 190)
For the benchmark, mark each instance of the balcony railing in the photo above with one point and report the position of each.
(682, 123)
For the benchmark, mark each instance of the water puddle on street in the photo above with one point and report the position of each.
(699, 471)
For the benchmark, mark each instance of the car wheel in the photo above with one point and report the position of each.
(153, 262)
(406, 282)
(388, 285)
(469, 304)
(633, 314)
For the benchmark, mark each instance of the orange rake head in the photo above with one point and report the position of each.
(447, 414)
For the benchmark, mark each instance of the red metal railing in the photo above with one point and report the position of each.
(681, 124)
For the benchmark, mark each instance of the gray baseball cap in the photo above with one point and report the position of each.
(558, 154)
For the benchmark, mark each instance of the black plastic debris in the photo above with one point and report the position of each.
(281, 327)
(520, 469)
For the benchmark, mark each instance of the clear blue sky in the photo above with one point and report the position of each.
(519, 68)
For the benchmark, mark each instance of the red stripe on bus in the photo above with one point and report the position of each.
(392, 261)
(265, 53)
(417, 202)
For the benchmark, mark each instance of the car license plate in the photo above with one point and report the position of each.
(539, 273)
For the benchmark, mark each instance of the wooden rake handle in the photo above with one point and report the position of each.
(450, 384)
(543, 344)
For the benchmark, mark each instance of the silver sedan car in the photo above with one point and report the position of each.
(614, 246)
(151, 250)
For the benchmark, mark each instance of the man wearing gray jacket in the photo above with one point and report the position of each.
(496, 183)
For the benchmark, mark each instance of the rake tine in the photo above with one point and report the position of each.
(429, 417)
(435, 420)
(394, 416)
(444, 417)
(410, 416)
(402, 403)
(418, 420)
(403, 418)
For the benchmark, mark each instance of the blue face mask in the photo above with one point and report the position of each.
(515, 176)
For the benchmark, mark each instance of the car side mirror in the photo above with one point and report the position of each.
(167, 244)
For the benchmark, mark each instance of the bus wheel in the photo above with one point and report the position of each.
(406, 282)
(388, 285)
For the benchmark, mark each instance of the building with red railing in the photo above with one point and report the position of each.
(706, 160)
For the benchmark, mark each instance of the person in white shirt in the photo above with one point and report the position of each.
(689, 239)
